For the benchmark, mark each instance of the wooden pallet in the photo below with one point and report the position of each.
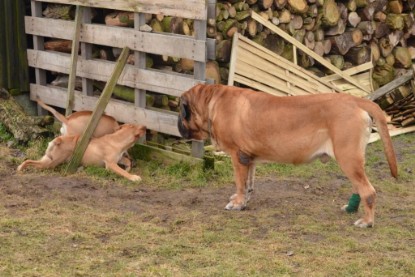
(198, 48)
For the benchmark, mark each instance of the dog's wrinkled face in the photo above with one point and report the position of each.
(193, 122)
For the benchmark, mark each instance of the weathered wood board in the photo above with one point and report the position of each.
(257, 67)
(196, 47)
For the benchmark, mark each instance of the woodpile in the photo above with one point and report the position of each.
(399, 104)
(346, 33)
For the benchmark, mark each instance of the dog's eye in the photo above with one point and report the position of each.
(184, 110)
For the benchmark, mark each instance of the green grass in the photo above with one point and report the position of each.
(115, 228)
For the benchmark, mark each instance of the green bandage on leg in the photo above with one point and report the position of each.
(353, 205)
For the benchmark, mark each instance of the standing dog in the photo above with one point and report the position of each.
(253, 126)
(104, 151)
(76, 123)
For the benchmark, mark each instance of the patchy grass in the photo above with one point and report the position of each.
(95, 223)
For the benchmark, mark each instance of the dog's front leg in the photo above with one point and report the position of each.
(238, 200)
(126, 162)
(115, 168)
(44, 162)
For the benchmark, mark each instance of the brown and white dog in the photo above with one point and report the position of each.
(75, 123)
(254, 126)
(105, 151)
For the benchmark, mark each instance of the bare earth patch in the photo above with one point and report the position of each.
(77, 225)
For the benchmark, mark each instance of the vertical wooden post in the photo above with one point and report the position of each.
(86, 54)
(38, 44)
(140, 62)
(200, 74)
(74, 60)
(98, 111)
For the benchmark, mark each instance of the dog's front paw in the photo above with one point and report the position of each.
(135, 178)
(235, 203)
(363, 223)
(20, 167)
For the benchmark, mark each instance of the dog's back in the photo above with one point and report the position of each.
(75, 124)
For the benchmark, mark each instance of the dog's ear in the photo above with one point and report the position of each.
(57, 141)
(184, 109)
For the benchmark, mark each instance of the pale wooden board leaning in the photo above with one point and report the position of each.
(306, 50)
(259, 68)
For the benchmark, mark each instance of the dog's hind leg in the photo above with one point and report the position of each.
(352, 164)
(250, 182)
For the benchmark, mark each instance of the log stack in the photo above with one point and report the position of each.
(345, 32)
(399, 104)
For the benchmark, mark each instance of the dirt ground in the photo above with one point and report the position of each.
(287, 217)
(19, 191)
(29, 189)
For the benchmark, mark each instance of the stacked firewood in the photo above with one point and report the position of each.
(399, 104)
(344, 32)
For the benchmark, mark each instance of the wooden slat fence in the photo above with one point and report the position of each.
(137, 76)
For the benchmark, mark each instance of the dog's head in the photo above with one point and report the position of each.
(194, 113)
(134, 132)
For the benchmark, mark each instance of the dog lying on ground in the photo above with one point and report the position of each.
(75, 123)
(105, 151)
(254, 126)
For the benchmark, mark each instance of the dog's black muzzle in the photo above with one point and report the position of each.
(184, 132)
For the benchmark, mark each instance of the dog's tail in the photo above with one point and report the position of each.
(377, 114)
(59, 116)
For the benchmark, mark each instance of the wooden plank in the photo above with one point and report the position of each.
(97, 113)
(232, 62)
(74, 59)
(305, 49)
(38, 42)
(277, 71)
(395, 132)
(193, 9)
(155, 43)
(251, 72)
(86, 53)
(120, 110)
(351, 71)
(199, 73)
(140, 62)
(256, 85)
(297, 70)
(154, 80)
(148, 152)
(390, 86)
